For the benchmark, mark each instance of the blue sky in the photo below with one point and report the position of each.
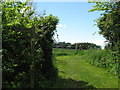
(75, 22)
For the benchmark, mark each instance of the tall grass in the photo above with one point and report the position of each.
(101, 58)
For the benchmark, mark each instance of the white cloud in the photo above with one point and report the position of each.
(61, 26)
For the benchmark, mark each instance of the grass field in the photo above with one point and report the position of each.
(74, 72)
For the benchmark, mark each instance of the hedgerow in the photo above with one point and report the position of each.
(103, 59)
(27, 41)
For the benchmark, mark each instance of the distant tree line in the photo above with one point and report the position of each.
(81, 46)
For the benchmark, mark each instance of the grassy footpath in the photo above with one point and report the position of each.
(77, 73)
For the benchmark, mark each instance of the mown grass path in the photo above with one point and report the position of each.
(76, 73)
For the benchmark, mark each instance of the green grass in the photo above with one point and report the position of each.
(63, 52)
(103, 59)
(74, 72)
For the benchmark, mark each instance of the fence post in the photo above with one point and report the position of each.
(76, 48)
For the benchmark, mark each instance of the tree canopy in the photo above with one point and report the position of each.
(109, 22)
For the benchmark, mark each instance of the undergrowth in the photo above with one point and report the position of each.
(102, 58)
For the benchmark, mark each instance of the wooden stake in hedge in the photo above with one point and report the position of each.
(32, 76)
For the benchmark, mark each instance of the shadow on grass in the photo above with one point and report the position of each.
(70, 83)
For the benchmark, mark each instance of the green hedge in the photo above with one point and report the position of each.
(102, 58)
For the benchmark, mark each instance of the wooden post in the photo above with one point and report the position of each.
(76, 48)
(32, 77)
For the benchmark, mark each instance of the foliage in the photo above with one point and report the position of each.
(103, 59)
(81, 46)
(85, 46)
(109, 25)
(26, 38)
